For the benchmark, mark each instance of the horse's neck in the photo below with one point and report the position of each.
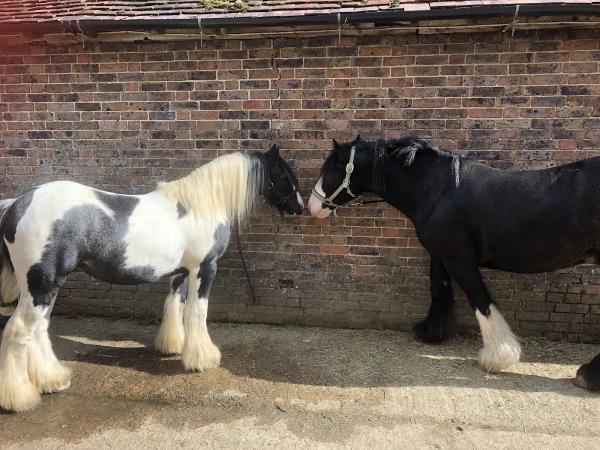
(415, 189)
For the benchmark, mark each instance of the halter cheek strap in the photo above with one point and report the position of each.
(329, 201)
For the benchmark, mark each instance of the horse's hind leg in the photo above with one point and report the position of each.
(500, 346)
(437, 325)
(170, 336)
(17, 391)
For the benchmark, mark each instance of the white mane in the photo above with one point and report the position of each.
(224, 188)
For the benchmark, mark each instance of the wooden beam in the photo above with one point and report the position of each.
(423, 27)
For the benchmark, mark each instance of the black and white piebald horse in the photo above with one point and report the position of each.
(181, 229)
(468, 215)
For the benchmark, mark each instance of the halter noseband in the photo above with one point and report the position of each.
(329, 201)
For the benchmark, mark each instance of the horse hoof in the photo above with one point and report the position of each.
(19, 398)
(205, 357)
(432, 332)
(499, 357)
(60, 388)
(56, 381)
(585, 379)
(64, 387)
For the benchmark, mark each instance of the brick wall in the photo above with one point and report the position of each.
(124, 116)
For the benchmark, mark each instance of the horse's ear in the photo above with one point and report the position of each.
(336, 145)
(274, 151)
(357, 140)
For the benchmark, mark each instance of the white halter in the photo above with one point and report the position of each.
(328, 201)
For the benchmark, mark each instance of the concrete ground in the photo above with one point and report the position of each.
(289, 387)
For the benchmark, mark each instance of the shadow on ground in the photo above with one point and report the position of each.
(327, 357)
(304, 388)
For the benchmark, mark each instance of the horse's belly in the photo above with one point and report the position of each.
(105, 271)
(531, 258)
(131, 264)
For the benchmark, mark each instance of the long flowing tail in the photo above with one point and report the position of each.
(9, 291)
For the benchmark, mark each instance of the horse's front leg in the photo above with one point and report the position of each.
(500, 346)
(437, 325)
(199, 352)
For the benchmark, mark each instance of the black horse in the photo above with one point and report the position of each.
(468, 215)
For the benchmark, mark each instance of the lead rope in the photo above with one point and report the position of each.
(239, 245)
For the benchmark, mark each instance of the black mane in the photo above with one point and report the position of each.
(405, 148)
(400, 147)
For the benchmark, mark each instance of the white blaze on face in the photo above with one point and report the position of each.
(300, 201)
(315, 205)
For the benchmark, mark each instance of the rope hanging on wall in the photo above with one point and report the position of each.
(511, 26)
(82, 33)
(201, 32)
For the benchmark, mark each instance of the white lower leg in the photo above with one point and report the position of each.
(169, 339)
(45, 370)
(199, 352)
(17, 392)
(500, 346)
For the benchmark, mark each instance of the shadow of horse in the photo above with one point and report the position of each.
(142, 359)
(338, 358)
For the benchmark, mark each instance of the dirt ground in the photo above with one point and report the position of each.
(284, 387)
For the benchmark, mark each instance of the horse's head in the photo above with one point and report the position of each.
(344, 176)
(281, 185)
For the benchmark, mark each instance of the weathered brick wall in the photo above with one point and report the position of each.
(124, 116)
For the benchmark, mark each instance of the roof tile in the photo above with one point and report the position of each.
(28, 11)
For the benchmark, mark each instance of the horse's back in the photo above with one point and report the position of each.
(36, 212)
(531, 191)
(126, 239)
(534, 220)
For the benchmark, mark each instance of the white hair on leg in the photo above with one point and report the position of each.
(170, 337)
(44, 368)
(17, 392)
(500, 346)
(199, 352)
